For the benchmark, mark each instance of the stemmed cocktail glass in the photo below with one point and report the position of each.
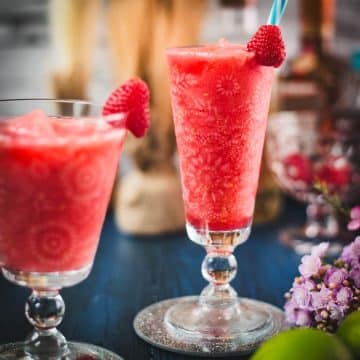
(308, 154)
(57, 168)
(220, 101)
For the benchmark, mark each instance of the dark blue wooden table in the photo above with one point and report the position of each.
(132, 272)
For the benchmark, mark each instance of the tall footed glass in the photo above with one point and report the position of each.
(220, 100)
(58, 161)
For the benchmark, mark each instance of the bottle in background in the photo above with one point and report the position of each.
(309, 84)
(238, 19)
(349, 101)
(346, 121)
(308, 88)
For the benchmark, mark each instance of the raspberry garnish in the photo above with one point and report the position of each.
(132, 97)
(268, 46)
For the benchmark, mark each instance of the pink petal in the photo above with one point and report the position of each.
(309, 266)
(355, 212)
(354, 225)
(320, 250)
(303, 318)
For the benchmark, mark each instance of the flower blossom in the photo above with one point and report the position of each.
(324, 294)
(320, 250)
(310, 265)
(335, 277)
(354, 223)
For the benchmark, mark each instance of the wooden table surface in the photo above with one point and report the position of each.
(131, 273)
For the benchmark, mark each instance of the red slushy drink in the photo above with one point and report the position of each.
(56, 177)
(220, 100)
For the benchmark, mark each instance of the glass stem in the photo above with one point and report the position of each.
(45, 310)
(219, 268)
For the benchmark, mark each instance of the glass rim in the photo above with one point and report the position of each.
(113, 131)
(112, 116)
(198, 49)
(183, 47)
(65, 101)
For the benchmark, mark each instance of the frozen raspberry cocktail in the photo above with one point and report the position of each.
(56, 177)
(220, 100)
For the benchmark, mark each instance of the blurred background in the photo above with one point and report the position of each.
(27, 57)
(84, 48)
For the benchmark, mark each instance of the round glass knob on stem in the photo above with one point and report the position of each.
(45, 311)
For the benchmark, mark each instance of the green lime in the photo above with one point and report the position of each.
(303, 344)
(349, 333)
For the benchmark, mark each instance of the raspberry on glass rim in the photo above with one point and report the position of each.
(268, 46)
(131, 99)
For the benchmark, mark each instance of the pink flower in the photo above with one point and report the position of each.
(309, 284)
(303, 318)
(355, 212)
(301, 296)
(356, 247)
(290, 312)
(310, 265)
(355, 276)
(354, 223)
(321, 298)
(346, 254)
(320, 250)
(351, 253)
(337, 312)
(325, 294)
(335, 276)
(344, 296)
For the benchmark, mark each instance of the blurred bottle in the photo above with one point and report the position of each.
(238, 19)
(309, 84)
(349, 102)
(347, 27)
(346, 120)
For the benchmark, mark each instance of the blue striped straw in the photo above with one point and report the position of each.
(277, 11)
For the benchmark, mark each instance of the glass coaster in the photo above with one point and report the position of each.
(149, 325)
(77, 351)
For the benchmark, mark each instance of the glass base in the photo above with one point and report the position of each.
(241, 323)
(50, 280)
(76, 351)
(302, 243)
(183, 325)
